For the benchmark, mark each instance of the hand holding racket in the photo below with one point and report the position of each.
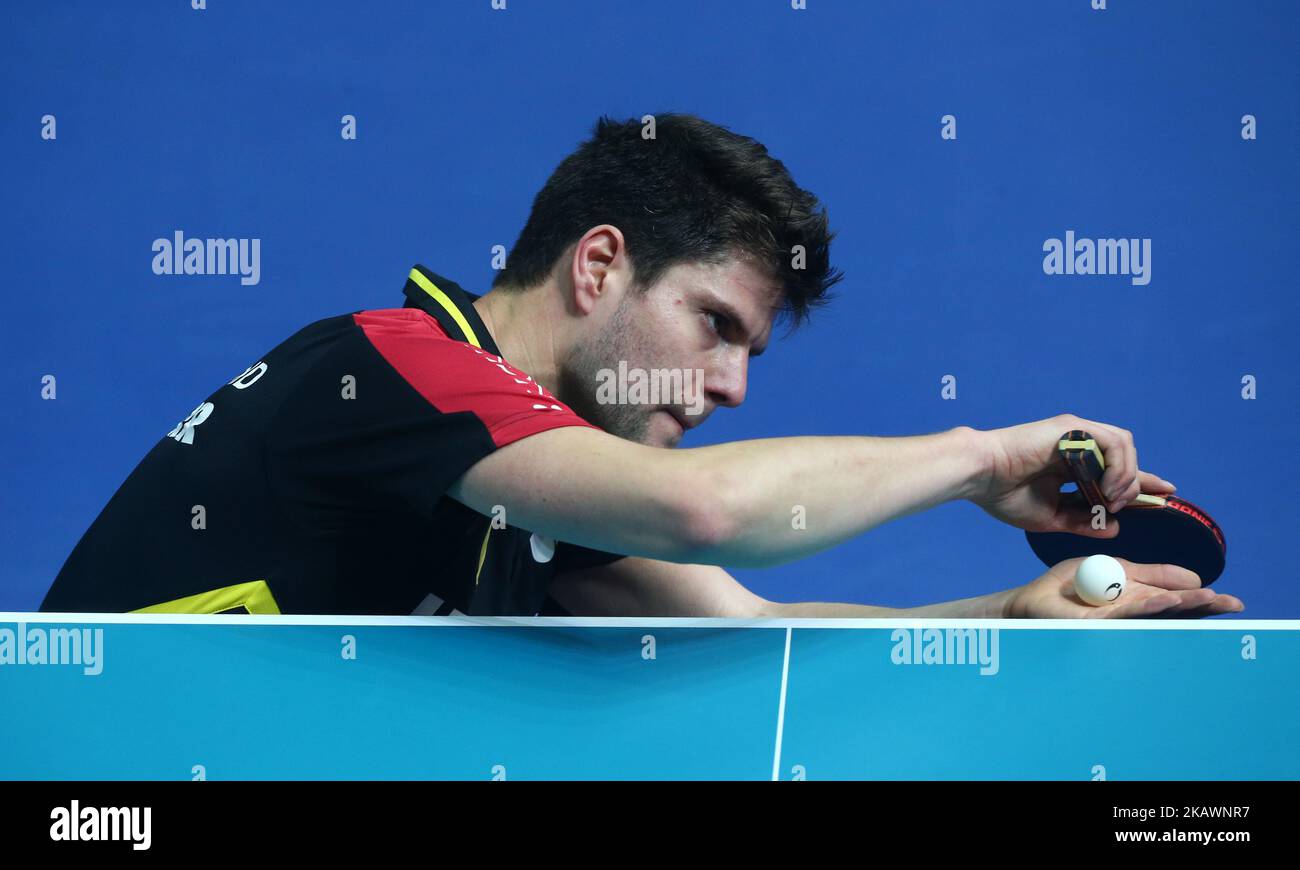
(1153, 529)
(1023, 475)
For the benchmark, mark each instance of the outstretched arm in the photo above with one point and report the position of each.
(732, 504)
(645, 587)
(727, 504)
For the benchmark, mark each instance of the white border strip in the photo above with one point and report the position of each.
(658, 622)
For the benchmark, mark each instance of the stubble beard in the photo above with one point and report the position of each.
(579, 379)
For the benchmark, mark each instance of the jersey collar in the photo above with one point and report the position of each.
(448, 303)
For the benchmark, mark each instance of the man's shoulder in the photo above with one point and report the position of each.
(403, 321)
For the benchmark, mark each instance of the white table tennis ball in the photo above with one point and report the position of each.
(1099, 580)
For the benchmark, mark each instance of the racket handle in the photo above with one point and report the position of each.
(1086, 464)
(1084, 460)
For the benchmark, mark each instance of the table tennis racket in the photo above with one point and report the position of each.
(1152, 529)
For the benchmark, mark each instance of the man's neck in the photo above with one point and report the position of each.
(518, 323)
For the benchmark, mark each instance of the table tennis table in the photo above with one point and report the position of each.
(91, 697)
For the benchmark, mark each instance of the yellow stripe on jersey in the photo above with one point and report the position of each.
(450, 307)
(482, 553)
(255, 597)
(445, 301)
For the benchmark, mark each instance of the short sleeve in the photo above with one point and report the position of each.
(388, 416)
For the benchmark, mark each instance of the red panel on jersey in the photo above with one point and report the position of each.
(454, 376)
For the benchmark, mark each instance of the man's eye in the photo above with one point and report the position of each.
(716, 321)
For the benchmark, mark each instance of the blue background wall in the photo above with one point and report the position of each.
(1117, 123)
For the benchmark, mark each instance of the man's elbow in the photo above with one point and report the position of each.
(707, 527)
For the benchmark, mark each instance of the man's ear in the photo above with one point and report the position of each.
(599, 266)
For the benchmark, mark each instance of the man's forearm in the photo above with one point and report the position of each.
(991, 606)
(784, 499)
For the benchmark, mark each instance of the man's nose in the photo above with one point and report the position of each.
(726, 383)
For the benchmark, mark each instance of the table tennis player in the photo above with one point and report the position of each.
(490, 454)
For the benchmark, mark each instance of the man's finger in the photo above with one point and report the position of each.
(1164, 605)
(1154, 484)
(1144, 608)
(1220, 605)
(1074, 515)
(1121, 460)
(1163, 576)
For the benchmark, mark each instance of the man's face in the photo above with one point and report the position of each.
(684, 347)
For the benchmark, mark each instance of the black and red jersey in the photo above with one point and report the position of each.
(315, 481)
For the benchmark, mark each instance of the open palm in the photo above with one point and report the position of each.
(1151, 591)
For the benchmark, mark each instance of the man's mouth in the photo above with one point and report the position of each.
(680, 418)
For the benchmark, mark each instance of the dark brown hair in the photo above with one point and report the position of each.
(696, 193)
